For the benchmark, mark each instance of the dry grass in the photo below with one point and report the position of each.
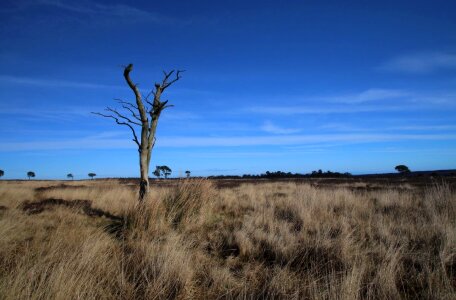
(194, 241)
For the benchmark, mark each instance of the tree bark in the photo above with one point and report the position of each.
(144, 175)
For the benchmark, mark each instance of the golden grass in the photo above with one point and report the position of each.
(193, 241)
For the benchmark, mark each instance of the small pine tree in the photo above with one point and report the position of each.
(403, 169)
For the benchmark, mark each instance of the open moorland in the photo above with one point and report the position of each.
(368, 238)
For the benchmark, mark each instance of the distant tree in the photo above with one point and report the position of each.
(2, 173)
(30, 174)
(157, 171)
(187, 173)
(70, 176)
(166, 171)
(403, 169)
(92, 175)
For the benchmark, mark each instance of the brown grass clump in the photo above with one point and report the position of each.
(90, 240)
(183, 203)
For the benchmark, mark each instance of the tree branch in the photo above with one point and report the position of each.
(167, 75)
(165, 82)
(122, 116)
(126, 103)
(135, 138)
(128, 106)
(132, 113)
(150, 103)
(148, 95)
(142, 111)
(165, 104)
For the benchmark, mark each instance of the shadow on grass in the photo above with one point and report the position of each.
(115, 227)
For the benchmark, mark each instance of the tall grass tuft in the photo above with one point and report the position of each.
(183, 202)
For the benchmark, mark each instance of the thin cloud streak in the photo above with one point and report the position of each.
(424, 127)
(77, 113)
(54, 83)
(97, 142)
(299, 109)
(349, 128)
(360, 103)
(34, 114)
(373, 94)
(120, 11)
(292, 139)
(269, 127)
(420, 63)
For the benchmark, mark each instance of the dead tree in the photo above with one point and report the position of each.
(144, 113)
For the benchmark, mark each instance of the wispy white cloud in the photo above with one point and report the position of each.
(32, 113)
(421, 63)
(294, 139)
(74, 113)
(269, 127)
(343, 127)
(312, 109)
(373, 94)
(424, 127)
(368, 101)
(119, 11)
(438, 99)
(55, 83)
(387, 126)
(440, 151)
(97, 142)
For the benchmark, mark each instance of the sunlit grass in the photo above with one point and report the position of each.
(268, 240)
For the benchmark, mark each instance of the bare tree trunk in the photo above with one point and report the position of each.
(144, 175)
(140, 113)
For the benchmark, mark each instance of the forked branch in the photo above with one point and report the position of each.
(165, 82)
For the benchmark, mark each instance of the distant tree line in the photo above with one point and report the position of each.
(280, 174)
(165, 171)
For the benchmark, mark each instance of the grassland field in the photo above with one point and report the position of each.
(356, 238)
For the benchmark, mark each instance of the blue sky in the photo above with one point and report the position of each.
(296, 86)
